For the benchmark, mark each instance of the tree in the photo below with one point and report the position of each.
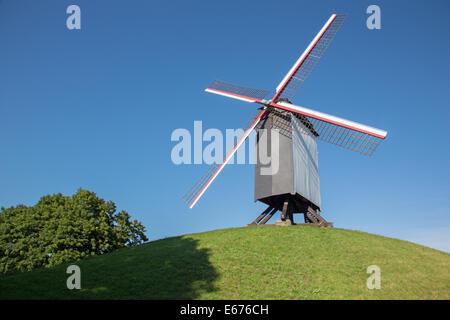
(63, 228)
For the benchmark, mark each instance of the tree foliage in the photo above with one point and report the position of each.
(64, 228)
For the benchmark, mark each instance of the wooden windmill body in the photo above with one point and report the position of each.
(293, 186)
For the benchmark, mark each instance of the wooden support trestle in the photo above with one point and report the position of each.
(288, 205)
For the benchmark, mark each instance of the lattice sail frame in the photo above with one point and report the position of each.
(361, 142)
(281, 120)
(227, 87)
(200, 186)
(307, 63)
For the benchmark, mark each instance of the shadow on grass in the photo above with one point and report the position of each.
(173, 268)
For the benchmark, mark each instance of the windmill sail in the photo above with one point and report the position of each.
(308, 60)
(194, 194)
(341, 132)
(237, 92)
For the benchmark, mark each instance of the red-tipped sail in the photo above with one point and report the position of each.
(193, 195)
(308, 60)
(344, 133)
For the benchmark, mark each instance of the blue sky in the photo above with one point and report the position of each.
(95, 108)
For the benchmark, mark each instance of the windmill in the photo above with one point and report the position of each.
(295, 187)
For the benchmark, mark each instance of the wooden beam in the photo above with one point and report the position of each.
(316, 215)
(262, 215)
(285, 210)
(268, 216)
(310, 218)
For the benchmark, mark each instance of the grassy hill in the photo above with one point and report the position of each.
(249, 263)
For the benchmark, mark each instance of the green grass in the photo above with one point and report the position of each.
(249, 263)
